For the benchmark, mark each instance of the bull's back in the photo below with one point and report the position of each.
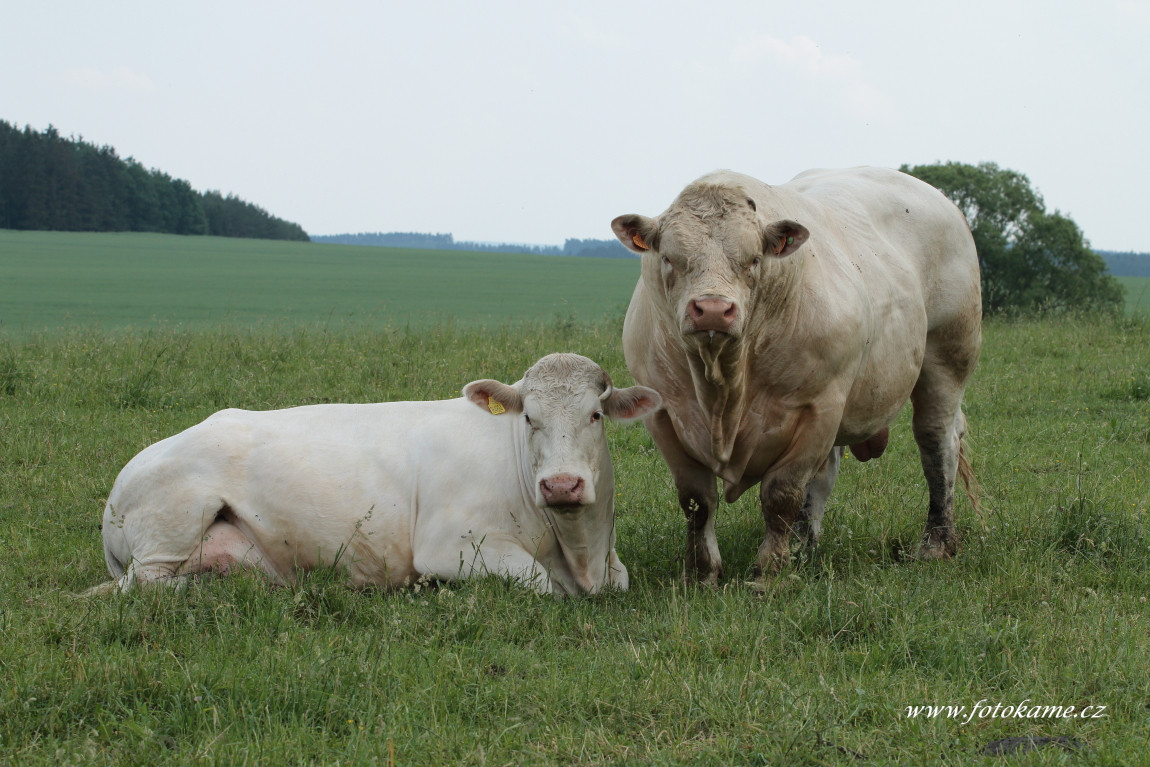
(905, 225)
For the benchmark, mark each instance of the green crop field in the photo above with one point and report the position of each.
(55, 279)
(1044, 606)
(1137, 294)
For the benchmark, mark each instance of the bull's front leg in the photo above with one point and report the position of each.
(782, 501)
(698, 498)
(702, 562)
(793, 494)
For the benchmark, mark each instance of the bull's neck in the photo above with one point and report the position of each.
(720, 364)
(719, 373)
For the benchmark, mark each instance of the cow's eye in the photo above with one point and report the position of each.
(527, 418)
(597, 416)
(666, 262)
(756, 262)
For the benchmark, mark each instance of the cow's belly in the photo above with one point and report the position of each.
(333, 505)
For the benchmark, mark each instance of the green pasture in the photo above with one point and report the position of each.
(1044, 605)
(1137, 293)
(130, 280)
(58, 279)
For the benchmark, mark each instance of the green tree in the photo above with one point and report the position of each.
(1031, 260)
(49, 182)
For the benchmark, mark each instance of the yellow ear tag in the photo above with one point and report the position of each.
(638, 240)
(495, 406)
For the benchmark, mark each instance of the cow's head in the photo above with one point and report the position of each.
(711, 257)
(562, 401)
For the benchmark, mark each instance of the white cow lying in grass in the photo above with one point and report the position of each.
(512, 481)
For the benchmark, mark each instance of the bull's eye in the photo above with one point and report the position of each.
(597, 416)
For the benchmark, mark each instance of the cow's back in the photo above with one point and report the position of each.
(311, 483)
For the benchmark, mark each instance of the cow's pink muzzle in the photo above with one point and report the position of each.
(562, 490)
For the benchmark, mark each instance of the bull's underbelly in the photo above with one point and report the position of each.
(763, 441)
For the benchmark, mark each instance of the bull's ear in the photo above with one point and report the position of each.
(637, 233)
(631, 403)
(783, 238)
(494, 396)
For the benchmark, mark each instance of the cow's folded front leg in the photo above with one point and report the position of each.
(487, 557)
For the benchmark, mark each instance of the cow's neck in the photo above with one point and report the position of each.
(585, 539)
(718, 370)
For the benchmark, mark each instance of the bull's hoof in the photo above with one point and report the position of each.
(769, 583)
(930, 550)
(708, 579)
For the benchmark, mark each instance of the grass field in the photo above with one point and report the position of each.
(141, 281)
(1044, 605)
(1137, 294)
(57, 279)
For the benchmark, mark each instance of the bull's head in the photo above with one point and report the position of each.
(710, 257)
(562, 401)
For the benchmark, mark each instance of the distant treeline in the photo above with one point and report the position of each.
(572, 247)
(1126, 264)
(65, 184)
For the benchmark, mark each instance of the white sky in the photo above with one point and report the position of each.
(537, 121)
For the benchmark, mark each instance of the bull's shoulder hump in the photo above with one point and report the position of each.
(727, 178)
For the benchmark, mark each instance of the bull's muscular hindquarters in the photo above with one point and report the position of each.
(783, 324)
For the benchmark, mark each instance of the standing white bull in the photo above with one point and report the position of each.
(512, 480)
(781, 322)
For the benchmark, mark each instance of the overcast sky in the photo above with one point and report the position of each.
(538, 121)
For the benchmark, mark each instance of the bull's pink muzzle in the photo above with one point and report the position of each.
(717, 314)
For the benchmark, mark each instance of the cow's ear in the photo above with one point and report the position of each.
(631, 403)
(637, 233)
(493, 396)
(783, 238)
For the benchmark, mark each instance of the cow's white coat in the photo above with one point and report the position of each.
(391, 492)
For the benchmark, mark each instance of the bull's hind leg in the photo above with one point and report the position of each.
(810, 522)
(939, 426)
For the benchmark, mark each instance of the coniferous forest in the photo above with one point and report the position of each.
(49, 182)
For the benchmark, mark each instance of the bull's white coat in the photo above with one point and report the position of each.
(780, 323)
(391, 492)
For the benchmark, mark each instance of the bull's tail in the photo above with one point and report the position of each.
(969, 481)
